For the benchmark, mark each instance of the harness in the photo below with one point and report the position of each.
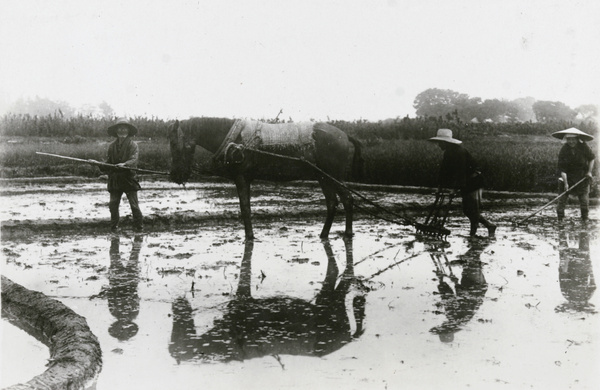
(228, 142)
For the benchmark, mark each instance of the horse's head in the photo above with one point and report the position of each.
(182, 153)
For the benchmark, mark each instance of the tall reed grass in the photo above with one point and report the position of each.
(513, 157)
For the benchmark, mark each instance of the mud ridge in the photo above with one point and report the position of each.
(75, 354)
(159, 222)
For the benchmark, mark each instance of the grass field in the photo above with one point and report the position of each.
(509, 161)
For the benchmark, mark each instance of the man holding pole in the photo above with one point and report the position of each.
(459, 172)
(123, 153)
(575, 162)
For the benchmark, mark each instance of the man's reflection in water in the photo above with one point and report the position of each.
(460, 303)
(575, 272)
(122, 294)
(253, 327)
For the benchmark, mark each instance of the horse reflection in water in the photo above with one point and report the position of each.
(460, 303)
(575, 273)
(122, 294)
(280, 325)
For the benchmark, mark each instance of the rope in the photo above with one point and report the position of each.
(405, 219)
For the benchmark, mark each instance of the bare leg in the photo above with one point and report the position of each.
(490, 226)
(472, 209)
(474, 225)
(470, 203)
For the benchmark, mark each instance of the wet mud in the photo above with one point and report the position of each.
(190, 303)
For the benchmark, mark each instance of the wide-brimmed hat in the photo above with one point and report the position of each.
(112, 130)
(445, 135)
(573, 132)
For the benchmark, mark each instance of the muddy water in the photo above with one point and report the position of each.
(195, 306)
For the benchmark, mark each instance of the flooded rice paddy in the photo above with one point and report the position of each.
(190, 304)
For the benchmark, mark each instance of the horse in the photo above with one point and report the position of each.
(278, 325)
(245, 150)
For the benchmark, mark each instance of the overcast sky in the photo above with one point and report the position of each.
(320, 59)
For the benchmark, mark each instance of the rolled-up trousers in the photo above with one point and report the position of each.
(471, 202)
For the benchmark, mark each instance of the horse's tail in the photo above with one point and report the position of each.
(358, 170)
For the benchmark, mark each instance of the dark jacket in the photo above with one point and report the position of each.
(123, 180)
(575, 161)
(459, 170)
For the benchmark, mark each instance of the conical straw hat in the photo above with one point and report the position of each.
(572, 131)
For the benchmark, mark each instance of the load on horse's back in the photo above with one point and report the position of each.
(245, 150)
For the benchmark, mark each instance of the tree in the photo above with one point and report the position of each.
(469, 109)
(587, 112)
(439, 102)
(524, 107)
(457, 106)
(547, 111)
(107, 110)
(498, 111)
(41, 107)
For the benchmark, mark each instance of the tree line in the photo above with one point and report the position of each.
(435, 102)
(77, 128)
(435, 108)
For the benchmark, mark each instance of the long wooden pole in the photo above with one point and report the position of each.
(552, 201)
(98, 163)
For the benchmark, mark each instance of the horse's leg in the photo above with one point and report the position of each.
(333, 153)
(243, 188)
(348, 202)
(331, 200)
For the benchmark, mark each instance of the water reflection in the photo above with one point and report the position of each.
(575, 272)
(252, 327)
(122, 294)
(459, 299)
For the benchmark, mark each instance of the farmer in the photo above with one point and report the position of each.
(123, 152)
(575, 162)
(459, 171)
